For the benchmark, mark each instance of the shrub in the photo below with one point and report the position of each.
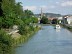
(22, 29)
(5, 43)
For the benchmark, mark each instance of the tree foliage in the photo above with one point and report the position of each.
(44, 20)
(13, 14)
(54, 21)
(28, 13)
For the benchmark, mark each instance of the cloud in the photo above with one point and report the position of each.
(57, 2)
(52, 6)
(44, 7)
(32, 8)
(38, 8)
(66, 3)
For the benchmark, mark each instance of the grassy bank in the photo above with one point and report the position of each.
(68, 27)
(9, 42)
(23, 38)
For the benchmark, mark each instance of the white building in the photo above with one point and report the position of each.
(60, 19)
(39, 20)
(69, 20)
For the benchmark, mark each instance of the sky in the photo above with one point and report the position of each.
(48, 6)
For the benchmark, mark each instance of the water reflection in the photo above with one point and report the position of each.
(57, 30)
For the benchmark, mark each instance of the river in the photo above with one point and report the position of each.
(48, 41)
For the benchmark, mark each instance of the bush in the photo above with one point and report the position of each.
(25, 29)
(18, 22)
(34, 20)
(21, 29)
(5, 43)
(7, 22)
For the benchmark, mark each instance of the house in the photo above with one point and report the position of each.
(39, 20)
(69, 20)
(64, 19)
(50, 20)
(60, 20)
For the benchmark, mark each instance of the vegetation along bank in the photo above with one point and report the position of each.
(16, 25)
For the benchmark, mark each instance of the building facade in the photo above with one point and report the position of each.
(64, 20)
(69, 20)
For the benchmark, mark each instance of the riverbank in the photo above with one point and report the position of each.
(8, 42)
(68, 27)
(23, 38)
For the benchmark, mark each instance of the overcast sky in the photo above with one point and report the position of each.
(48, 6)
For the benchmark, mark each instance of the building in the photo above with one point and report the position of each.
(69, 20)
(60, 20)
(64, 19)
(52, 20)
(39, 20)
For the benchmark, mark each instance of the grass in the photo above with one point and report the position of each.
(19, 39)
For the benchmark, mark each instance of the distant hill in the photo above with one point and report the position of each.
(49, 15)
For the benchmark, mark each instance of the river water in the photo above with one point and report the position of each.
(48, 41)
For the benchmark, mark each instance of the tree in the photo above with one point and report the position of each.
(44, 20)
(19, 10)
(12, 12)
(54, 21)
(8, 22)
(28, 13)
(34, 19)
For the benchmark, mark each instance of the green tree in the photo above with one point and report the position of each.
(12, 12)
(54, 21)
(44, 20)
(28, 13)
(34, 19)
(19, 10)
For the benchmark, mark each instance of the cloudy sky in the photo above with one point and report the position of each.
(48, 6)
